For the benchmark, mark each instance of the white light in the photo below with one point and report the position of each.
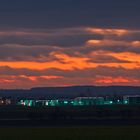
(47, 103)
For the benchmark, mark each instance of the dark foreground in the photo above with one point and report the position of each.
(70, 123)
(16, 116)
(72, 133)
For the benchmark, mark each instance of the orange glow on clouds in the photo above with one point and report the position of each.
(78, 63)
(117, 80)
(112, 43)
(136, 43)
(104, 31)
(89, 55)
(35, 78)
(132, 57)
(68, 63)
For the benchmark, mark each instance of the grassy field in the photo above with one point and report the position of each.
(72, 133)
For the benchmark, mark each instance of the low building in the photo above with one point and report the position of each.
(79, 101)
(131, 99)
(5, 101)
(89, 101)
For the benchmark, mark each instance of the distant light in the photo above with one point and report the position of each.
(65, 102)
(126, 102)
(47, 103)
(111, 102)
(118, 100)
(80, 102)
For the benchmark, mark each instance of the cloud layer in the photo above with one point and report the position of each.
(73, 42)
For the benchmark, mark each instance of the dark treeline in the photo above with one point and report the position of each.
(71, 92)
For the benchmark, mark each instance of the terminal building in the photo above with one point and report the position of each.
(82, 101)
(79, 101)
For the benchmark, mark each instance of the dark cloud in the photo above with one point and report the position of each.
(132, 36)
(106, 59)
(27, 53)
(98, 71)
(116, 49)
(56, 40)
(43, 53)
(69, 13)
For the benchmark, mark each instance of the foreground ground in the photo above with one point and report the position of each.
(72, 133)
(70, 123)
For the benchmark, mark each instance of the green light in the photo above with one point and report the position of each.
(111, 102)
(75, 103)
(26, 102)
(126, 102)
(81, 103)
(52, 103)
(31, 102)
(65, 102)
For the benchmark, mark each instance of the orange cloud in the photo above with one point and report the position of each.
(136, 43)
(35, 78)
(132, 57)
(104, 31)
(108, 43)
(116, 80)
(81, 62)
(70, 66)
(62, 59)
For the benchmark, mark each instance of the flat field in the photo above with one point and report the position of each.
(72, 133)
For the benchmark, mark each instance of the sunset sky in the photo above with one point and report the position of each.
(69, 42)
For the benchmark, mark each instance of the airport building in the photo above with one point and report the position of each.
(82, 101)
(89, 101)
(131, 99)
(79, 101)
